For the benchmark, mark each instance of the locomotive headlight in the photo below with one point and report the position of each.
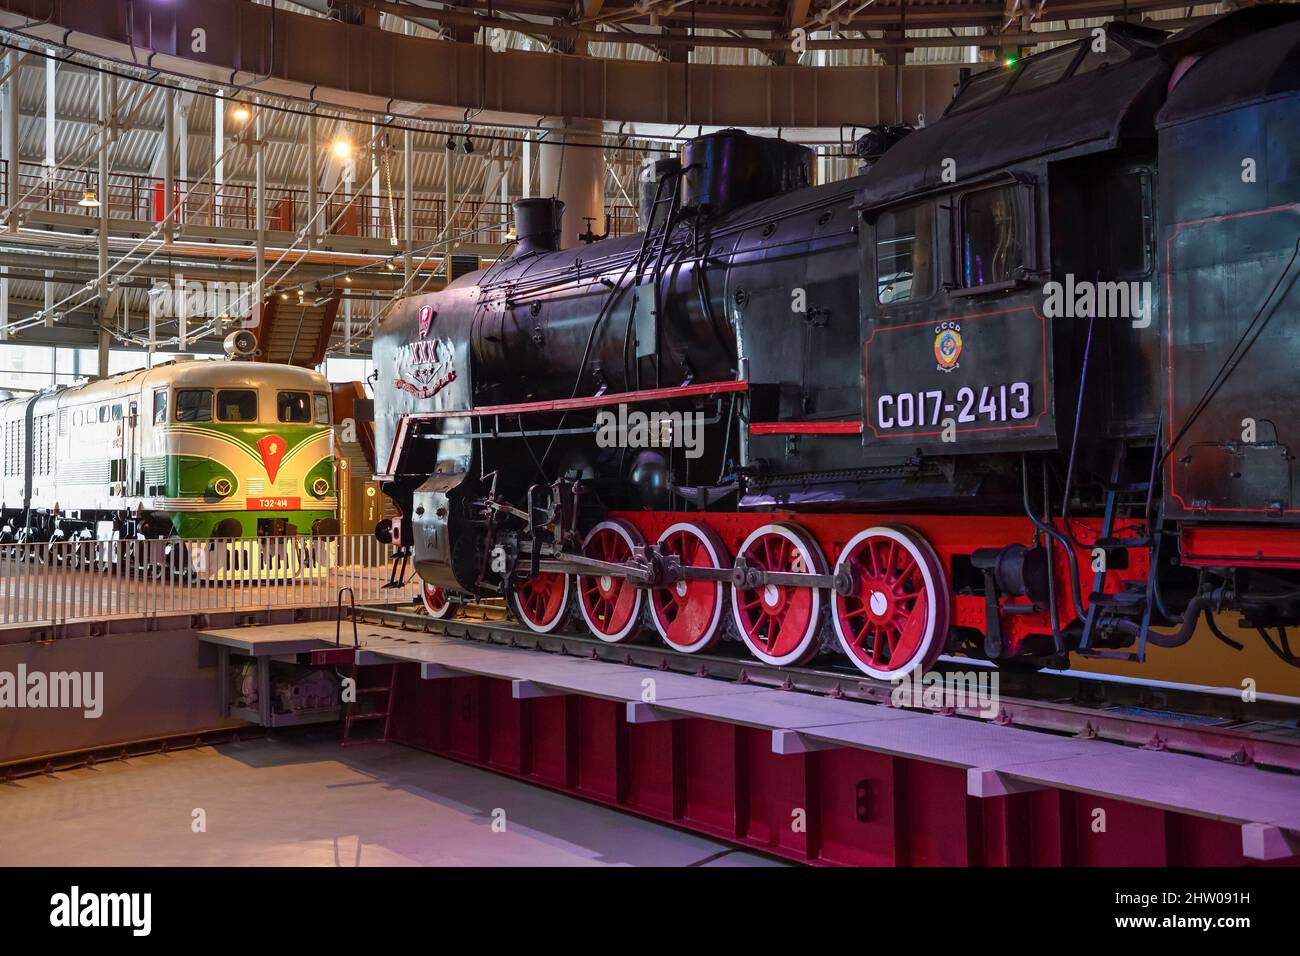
(222, 487)
(320, 487)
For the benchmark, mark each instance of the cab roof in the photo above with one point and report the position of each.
(1069, 100)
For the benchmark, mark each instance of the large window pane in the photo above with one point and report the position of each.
(237, 405)
(194, 405)
(1044, 69)
(992, 237)
(293, 406)
(982, 89)
(904, 254)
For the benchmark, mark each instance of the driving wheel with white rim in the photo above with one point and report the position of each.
(610, 604)
(688, 614)
(541, 601)
(436, 601)
(779, 622)
(896, 618)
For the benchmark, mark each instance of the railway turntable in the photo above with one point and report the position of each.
(742, 753)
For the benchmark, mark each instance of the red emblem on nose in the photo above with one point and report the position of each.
(426, 319)
(272, 449)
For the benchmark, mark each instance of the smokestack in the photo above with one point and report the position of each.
(537, 225)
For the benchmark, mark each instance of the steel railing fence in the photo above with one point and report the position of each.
(139, 198)
(55, 582)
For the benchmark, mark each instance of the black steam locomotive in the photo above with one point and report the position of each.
(1021, 389)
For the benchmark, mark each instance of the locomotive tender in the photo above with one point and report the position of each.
(1023, 388)
(191, 450)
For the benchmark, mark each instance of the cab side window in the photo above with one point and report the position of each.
(993, 227)
(905, 254)
(160, 407)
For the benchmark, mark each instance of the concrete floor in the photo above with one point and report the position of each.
(303, 800)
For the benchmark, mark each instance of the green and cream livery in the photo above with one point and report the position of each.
(192, 449)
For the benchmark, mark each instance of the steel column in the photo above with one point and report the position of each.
(103, 192)
(183, 148)
(260, 200)
(313, 202)
(11, 106)
(169, 168)
(51, 99)
(408, 212)
(218, 152)
(447, 170)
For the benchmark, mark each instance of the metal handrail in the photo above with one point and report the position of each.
(352, 614)
(52, 582)
(141, 198)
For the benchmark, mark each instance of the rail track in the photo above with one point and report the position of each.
(1216, 723)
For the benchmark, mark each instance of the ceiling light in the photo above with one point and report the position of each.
(342, 148)
(89, 200)
(240, 114)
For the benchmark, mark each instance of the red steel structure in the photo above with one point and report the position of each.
(858, 808)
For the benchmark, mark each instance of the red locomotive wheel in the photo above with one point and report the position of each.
(540, 602)
(611, 605)
(687, 614)
(896, 619)
(436, 601)
(779, 623)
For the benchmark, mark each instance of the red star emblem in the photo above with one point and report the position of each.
(272, 449)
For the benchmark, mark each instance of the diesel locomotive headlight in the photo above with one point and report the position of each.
(320, 487)
(222, 487)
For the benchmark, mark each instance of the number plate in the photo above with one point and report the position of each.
(965, 381)
(274, 504)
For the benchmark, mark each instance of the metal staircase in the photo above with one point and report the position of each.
(296, 330)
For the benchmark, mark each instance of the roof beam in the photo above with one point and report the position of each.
(796, 16)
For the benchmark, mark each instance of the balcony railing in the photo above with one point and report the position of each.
(138, 198)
